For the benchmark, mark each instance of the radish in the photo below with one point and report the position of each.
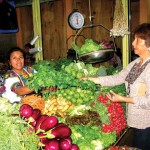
(65, 144)
(49, 123)
(39, 121)
(35, 115)
(25, 111)
(59, 132)
(52, 145)
(74, 147)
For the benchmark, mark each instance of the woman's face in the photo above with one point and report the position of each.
(139, 46)
(17, 60)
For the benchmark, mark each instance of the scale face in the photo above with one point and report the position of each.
(76, 20)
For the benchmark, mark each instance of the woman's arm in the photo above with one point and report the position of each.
(95, 80)
(112, 80)
(24, 90)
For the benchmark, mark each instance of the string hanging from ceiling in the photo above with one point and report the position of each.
(120, 27)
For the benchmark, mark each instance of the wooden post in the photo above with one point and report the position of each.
(37, 27)
(125, 41)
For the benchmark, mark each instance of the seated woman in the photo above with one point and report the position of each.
(16, 77)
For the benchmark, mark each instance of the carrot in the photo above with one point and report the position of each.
(37, 102)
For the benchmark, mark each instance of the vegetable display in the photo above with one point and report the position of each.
(66, 113)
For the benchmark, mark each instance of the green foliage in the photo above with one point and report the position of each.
(48, 75)
(119, 89)
(87, 47)
(57, 64)
(91, 138)
(14, 132)
(78, 110)
(101, 71)
(102, 110)
(111, 70)
(14, 135)
(79, 69)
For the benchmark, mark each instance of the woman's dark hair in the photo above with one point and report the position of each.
(143, 31)
(14, 49)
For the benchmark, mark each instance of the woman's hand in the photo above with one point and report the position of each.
(95, 80)
(114, 97)
(84, 78)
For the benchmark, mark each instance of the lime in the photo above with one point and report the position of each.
(59, 95)
(67, 91)
(79, 100)
(64, 94)
(86, 99)
(71, 93)
(82, 95)
(79, 90)
(76, 95)
(68, 97)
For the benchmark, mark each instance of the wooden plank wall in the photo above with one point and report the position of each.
(25, 25)
(55, 29)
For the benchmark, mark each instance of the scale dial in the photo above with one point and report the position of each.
(76, 20)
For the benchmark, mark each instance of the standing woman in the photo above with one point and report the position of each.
(16, 77)
(136, 77)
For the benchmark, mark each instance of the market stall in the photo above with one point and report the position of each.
(89, 119)
(65, 112)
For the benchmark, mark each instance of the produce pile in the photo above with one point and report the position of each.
(76, 114)
(14, 132)
(52, 134)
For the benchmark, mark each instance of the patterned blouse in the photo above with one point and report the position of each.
(22, 78)
(138, 113)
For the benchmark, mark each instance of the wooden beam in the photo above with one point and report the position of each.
(37, 27)
(125, 41)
